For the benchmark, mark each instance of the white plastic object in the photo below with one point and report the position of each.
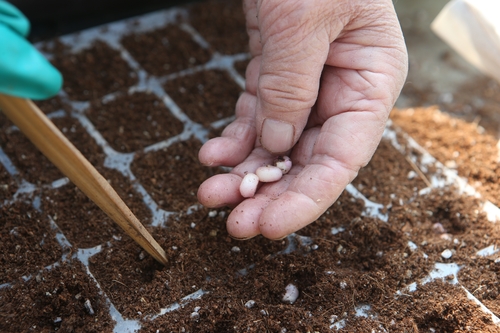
(472, 28)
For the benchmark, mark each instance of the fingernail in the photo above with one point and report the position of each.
(276, 135)
(241, 239)
(278, 239)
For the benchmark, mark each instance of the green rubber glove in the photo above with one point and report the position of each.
(24, 72)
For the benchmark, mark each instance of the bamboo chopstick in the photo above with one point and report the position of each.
(60, 151)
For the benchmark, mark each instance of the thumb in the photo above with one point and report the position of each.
(294, 50)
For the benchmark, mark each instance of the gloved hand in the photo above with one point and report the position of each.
(24, 72)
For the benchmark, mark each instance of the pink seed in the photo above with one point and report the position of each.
(269, 173)
(248, 185)
(438, 228)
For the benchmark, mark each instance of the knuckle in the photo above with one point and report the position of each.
(287, 92)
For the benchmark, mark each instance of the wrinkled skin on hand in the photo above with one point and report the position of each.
(323, 78)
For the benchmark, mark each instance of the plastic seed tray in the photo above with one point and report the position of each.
(140, 97)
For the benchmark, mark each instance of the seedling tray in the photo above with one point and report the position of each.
(410, 246)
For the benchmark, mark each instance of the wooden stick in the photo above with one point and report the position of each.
(60, 151)
(419, 172)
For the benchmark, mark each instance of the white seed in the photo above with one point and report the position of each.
(14, 232)
(446, 254)
(291, 294)
(250, 304)
(265, 174)
(88, 307)
(412, 246)
(284, 163)
(248, 185)
(269, 173)
(446, 237)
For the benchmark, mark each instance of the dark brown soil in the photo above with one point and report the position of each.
(119, 119)
(165, 51)
(8, 185)
(94, 72)
(222, 24)
(354, 272)
(172, 175)
(50, 105)
(81, 139)
(372, 179)
(55, 300)
(81, 221)
(30, 163)
(27, 242)
(206, 96)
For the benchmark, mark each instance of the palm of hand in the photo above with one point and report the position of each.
(357, 71)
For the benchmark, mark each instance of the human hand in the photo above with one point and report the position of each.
(24, 72)
(323, 78)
